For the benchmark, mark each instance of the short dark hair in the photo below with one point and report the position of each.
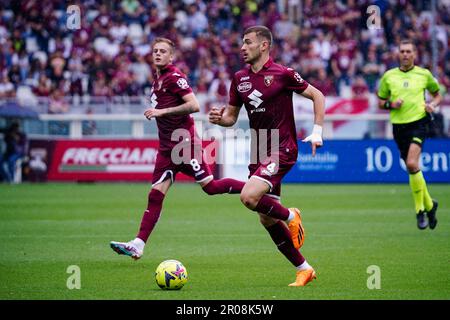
(408, 41)
(261, 32)
(164, 40)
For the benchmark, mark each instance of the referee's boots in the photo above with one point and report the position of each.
(422, 222)
(431, 215)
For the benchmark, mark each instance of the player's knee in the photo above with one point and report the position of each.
(249, 200)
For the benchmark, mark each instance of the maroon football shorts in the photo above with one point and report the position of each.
(196, 167)
(272, 171)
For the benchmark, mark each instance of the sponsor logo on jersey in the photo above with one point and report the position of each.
(244, 86)
(268, 80)
(405, 84)
(159, 85)
(182, 83)
(245, 78)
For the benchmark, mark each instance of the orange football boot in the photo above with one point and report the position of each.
(304, 277)
(296, 229)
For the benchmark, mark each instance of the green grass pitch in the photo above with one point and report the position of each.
(45, 228)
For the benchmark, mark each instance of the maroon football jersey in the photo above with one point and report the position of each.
(167, 92)
(267, 96)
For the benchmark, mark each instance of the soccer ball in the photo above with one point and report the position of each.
(171, 275)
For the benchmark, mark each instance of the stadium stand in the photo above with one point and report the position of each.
(109, 55)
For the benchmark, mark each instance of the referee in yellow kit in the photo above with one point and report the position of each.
(402, 92)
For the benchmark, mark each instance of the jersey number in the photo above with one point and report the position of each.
(195, 165)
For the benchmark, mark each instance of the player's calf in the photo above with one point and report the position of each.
(225, 185)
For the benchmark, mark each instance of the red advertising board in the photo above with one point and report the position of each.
(105, 160)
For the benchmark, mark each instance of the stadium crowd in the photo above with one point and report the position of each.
(110, 55)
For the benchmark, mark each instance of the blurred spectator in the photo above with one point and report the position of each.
(132, 10)
(7, 89)
(57, 65)
(273, 15)
(141, 69)
(322, 46)
(16, 150)
(44, 87)
(284, 28)
(58, 103)
(360, 90)
(100, 87)
(121, 79)
(89, 127)
(324, 83)
(219, 88)
(196, 21)
(311, 62)
(343, 67)
(372, 71)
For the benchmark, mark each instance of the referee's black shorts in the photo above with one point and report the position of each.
(413, 132)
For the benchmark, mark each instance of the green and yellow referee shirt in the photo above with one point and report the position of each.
(410, 87)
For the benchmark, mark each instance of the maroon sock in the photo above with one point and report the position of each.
(272, 208)
(282, 238)
(151, 215)
(225, 185)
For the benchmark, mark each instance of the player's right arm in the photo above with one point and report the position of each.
(189, 106)
(384, 94)
(224, 116)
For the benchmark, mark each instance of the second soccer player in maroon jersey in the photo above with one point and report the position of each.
(172, 102)
(265, 89)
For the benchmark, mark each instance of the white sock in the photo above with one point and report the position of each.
(291, 216)
(303, 266)
(139, 243)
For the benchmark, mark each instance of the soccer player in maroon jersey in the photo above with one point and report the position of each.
(172, 102)
(265, 89)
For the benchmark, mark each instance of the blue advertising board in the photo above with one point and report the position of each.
(371, 161)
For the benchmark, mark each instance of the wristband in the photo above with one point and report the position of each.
(317, 130)
(387, 105)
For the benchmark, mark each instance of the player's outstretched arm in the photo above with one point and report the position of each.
(318, 100)
(224, 116)
(190, 105)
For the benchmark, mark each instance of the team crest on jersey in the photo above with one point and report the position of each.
(244, 86)
(268, 80)
(182, 83)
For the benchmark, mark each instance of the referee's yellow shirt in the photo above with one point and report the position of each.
(410, 87)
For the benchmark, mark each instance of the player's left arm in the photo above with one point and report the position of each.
(318, 100)
(433, 104)
(189, 106)
(433, 88)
